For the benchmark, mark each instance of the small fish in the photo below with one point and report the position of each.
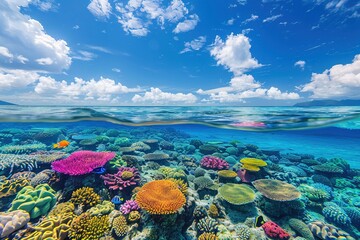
(117, 200)
(259, 221)
(99, 170)
(61, 144)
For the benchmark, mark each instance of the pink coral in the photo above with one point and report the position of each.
(214, 163)
(246, 176)
(128, 206)
(82, 162)
(125, 177)
(275, 231)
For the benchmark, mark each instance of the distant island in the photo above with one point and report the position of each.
(346, 102)
(6, 103)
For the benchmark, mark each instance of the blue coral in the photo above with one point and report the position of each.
(324, 188)
(335, 214)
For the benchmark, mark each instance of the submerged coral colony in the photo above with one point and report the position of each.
(148, 183)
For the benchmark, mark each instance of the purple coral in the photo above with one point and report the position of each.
(214, 163)
(125, 177)
(128, 206)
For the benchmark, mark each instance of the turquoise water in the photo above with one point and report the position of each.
(295, 143)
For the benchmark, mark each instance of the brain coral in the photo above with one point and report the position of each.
(252, 164)
(237, 194)
(160, 197)
(276, 190)
(36, 201)
(82, 162)
(12, 221)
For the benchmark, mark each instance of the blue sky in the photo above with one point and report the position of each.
(153, 52)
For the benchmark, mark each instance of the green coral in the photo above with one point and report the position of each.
(122, 142)
(36, 201)
(237, 194)
(176, 173)
(116, 162)
(313, 194)
(101, 209)
(301, 228)
(343, 183)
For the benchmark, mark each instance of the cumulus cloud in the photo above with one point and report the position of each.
(194, 45)
(156, 96)
(230, 21)
(300, 64)
(234, 54)
(137, 15)
(104, 89)
(340, 81)
(16, 79)
(187, 25)
(26, 39)
(272, 18)
(100, 8)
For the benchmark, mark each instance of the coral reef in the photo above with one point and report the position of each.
(82, 162)
(160, 197)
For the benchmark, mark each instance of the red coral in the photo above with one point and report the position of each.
(214, 163)
(125, 177)
(275, 231)
(82, 162)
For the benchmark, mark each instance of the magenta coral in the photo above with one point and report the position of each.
(125, 177)
(275, 231)
(82, 162)
(128, 206)
(214, 163)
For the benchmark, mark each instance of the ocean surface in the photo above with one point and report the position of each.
(95, 165)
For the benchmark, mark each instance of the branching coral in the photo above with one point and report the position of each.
(120, 226)
(213, 162)
(160, 197)
(124, 178)
(89, 227)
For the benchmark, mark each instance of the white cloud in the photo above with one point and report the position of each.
(230, 21)
(300, 64)
(272, 18)
(44, 61)
(76, 27)
(116, 70)
(156, 96)
(104, 89)
(195, 44)
(340, 81)
(100, 8)
(138, 15)
(15, 80)
(85, 56)
(234, 54)
(187, 25)
(26, 39)
(250, 19)
(6, 53)
(44, 5)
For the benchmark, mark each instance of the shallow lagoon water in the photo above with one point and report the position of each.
(284, 137)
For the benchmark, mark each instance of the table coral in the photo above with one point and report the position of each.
(252, 164)
(36, 201)
(160, 197)
(236, 194)
(82, 162)
(276, 190)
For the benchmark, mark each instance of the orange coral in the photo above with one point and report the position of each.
(160, 197)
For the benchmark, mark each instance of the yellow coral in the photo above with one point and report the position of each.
(208, 236)
(120, 226)
(160, 197)
(66, 208)
(134, 216)
(227, 174)
(213, 211)
(85, 196)
(125, 175)
(11, 187)
(89, 227)
(181, 185)
(252, 164)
